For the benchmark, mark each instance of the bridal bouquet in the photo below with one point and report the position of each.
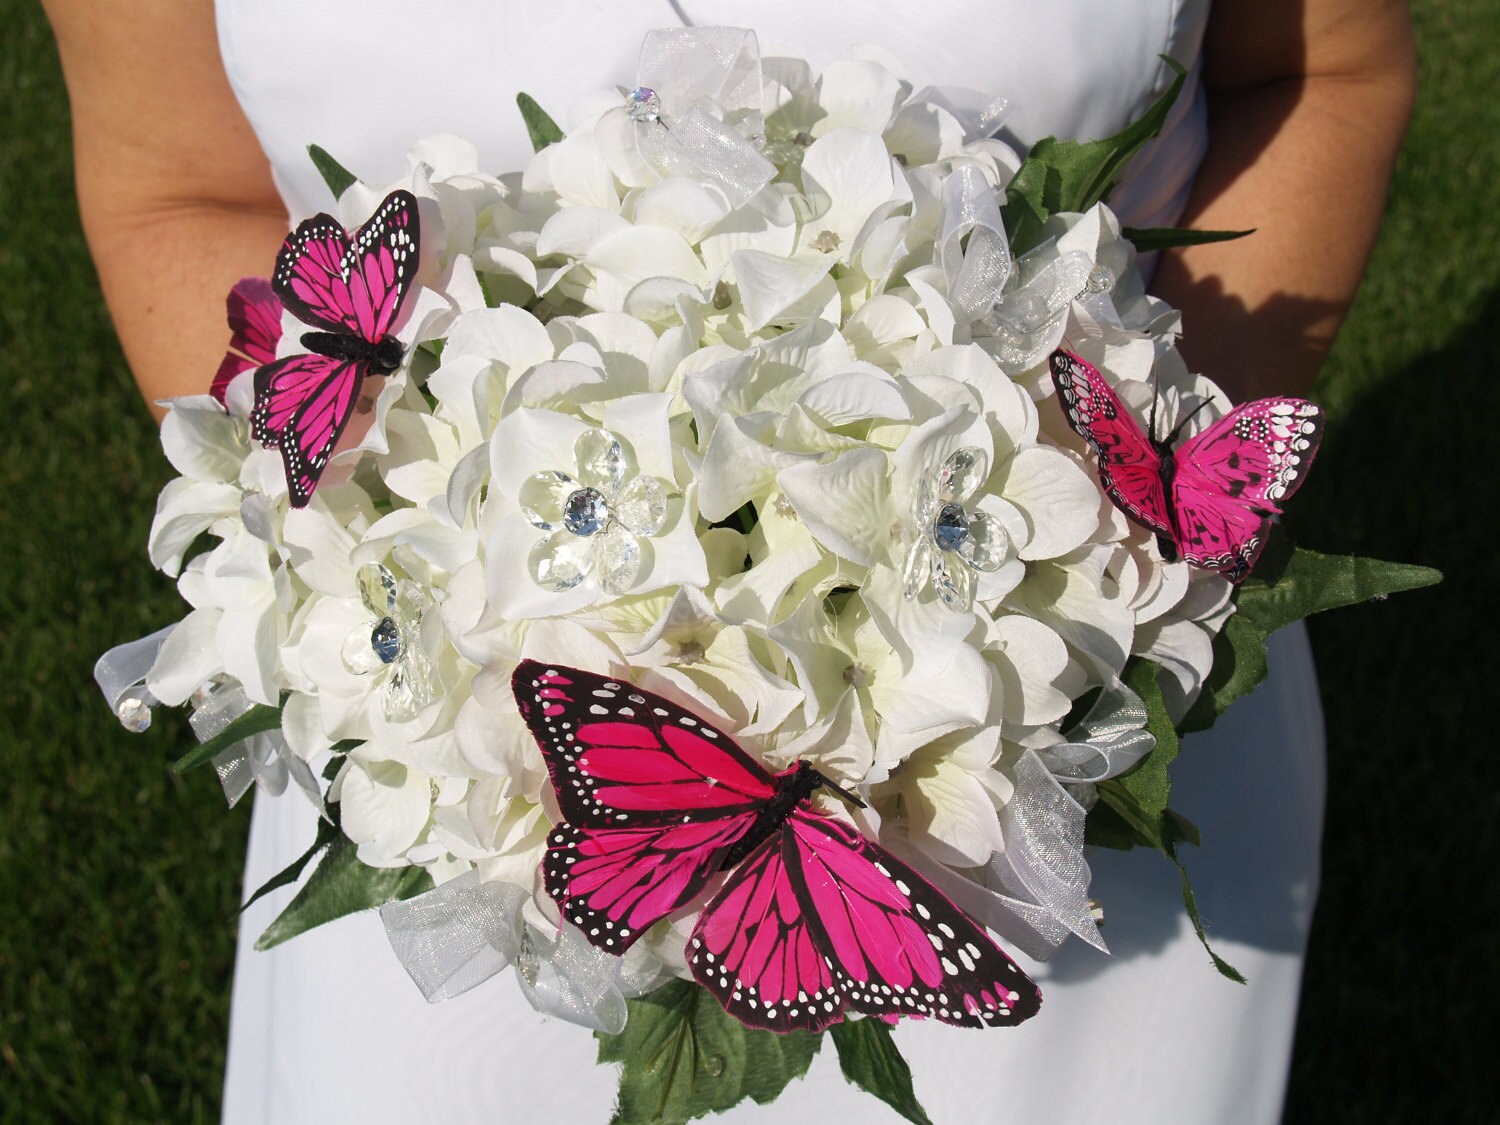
(753, 549)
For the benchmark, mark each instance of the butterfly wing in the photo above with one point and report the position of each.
(614, 883)
(653, 799)
(623, 757)
(254, 331)
(302, 404)
(350, 285)
(1129, 468)
(821, 920)
(1232, 477)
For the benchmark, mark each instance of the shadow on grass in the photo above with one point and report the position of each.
(1400, 940)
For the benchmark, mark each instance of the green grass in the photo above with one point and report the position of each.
(118, 880)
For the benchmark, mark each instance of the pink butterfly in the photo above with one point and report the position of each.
(254, 331)
(1212, 498)
(811, 919)
(353, 290)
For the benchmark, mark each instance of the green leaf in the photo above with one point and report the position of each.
(1073, 175)
(259, 719)
(327, 834)
(335, 175)
(1294, 584)
(541, 128)
(1166, 238)
(1148, 781)
(684, 1056)
(1190, 901)
(870, 1059)
(342, 885)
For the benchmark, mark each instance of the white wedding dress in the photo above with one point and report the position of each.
(328, 1029)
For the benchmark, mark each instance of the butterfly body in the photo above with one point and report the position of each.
(1209, 499)
(350, 289)
(807, 918)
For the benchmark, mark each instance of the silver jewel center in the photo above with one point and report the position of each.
(585, 512)
(385, 639)
(951, 528)
(643, 105)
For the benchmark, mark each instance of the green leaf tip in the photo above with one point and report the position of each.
(870, 1059)
(342, 885)
(1146, 239)
(685, 1057)
(1075, 175)
(335, 175)
(540, 127)
(259, 719)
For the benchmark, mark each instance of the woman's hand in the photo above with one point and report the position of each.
(1307, 105)
(177, 198)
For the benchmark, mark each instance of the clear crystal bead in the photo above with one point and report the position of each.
(561, 560)
(385, 639)
(963, 473)
(601, 461)
(641, 506)
(618, 560)
(918, 567)
(954, 583)
(1101, 279)
(642, 104)
(134, 714)
(951, 528)
(377, 589)
(585, 512)
(543, 496)
(986, 544)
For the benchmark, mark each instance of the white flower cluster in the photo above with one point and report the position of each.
(758, 458)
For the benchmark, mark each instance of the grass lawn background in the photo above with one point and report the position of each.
(118, 881)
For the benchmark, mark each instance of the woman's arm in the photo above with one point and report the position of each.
(176, 195)
(1307, 106)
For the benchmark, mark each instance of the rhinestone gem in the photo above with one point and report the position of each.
(601, 461)
(542, 498)
(385, 639)
(951, 528)
(641, 506)
(954, 584)
(619, 559)
(1101, 280)
(642, 104)
(918, 567)
(986, 544)
(561, 561)
(962, 474)
(585, 512)
(134, 714)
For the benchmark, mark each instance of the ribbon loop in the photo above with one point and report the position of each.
(697, 108)
(121, 676)
(457, 935)
(973, 249)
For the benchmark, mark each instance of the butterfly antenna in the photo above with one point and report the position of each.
(1155, 394)
(842, 792)
(1172, 439)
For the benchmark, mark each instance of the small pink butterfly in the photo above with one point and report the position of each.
(811, 919)
(254, 331)
(353, 289)
(1212, 498)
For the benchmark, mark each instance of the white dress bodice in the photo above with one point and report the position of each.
(328, 1029)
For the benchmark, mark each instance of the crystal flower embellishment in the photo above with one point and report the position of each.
(594, 520)
(953, 541)
(391, 644)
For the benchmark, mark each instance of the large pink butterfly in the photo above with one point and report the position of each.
(1210, 499)
(352, 288)
(254, 331)
(811, 920)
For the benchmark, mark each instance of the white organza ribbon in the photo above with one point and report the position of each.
(1028, 320)
(262, 759)
(980, 114)
(972, 249)
(706, 117)
(460, 934)
(121, 676)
